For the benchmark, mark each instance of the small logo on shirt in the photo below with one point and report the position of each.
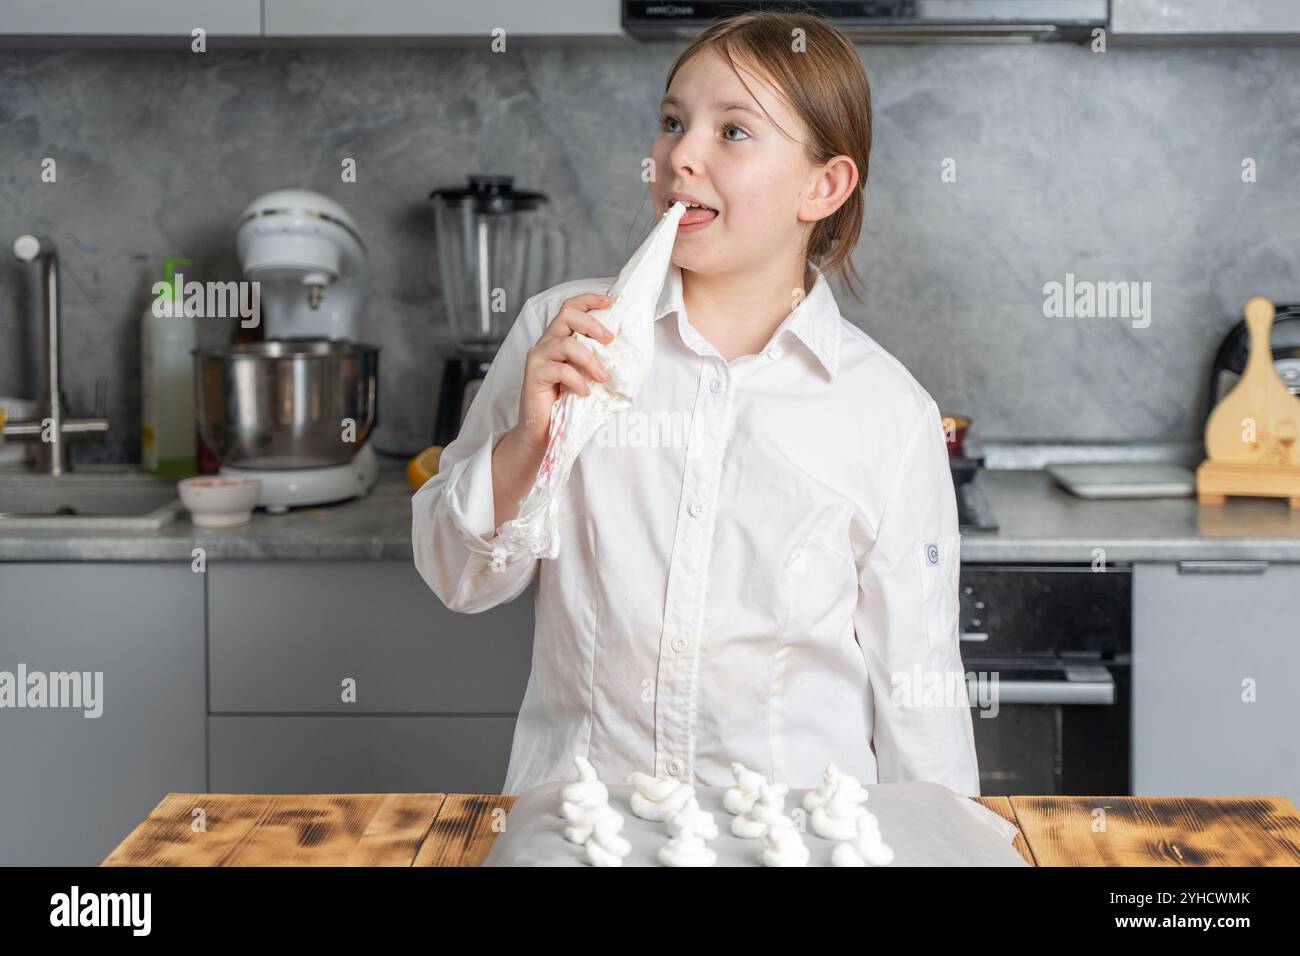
(932, 554)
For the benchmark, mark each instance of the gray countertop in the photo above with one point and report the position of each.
(377, 527)
(1038, 521)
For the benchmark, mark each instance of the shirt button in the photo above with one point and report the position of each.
(679, 644)
(774, 352)
(715, 386)
(675, 767)
(697, 509)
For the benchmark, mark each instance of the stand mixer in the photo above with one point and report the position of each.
(296, 410)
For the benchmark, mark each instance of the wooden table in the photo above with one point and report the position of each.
(456, 829)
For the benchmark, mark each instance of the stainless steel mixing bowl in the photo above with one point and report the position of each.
(284, 403)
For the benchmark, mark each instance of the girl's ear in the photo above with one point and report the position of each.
(833, 183)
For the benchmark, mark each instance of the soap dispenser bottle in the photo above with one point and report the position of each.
(167, 335)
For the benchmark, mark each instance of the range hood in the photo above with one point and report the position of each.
(886, 21)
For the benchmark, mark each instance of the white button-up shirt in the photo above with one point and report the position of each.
(758, 562)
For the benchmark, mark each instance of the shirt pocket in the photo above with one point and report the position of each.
(940, 561)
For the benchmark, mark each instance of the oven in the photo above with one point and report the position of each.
(1048, 663)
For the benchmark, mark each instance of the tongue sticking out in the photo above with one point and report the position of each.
(698, 215)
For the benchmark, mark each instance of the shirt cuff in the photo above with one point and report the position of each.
(473, 507)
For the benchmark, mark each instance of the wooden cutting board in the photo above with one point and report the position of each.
(1251, 436)
(1259, 420)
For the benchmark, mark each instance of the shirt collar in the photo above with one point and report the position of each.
(815, 321)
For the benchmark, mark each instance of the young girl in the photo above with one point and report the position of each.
(759, 560)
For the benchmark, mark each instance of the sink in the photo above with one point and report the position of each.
(88, 500)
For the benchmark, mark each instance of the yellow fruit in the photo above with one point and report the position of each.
(423, 466)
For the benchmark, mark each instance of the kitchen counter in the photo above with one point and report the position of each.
(1038, 521)
(435, 829)
(376, 527)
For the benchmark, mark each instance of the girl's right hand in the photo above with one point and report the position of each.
(559, 361)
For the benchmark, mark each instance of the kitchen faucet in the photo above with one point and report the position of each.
(51, 429)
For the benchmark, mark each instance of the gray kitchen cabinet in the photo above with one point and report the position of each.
(1208, 20)
(139, 18)
(422, 18)
(436, 692)
(284, 637)
(1204, 635)
(71, 786)
(359, 754)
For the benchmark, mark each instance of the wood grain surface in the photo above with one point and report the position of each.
(1156, 831)
(435, 829)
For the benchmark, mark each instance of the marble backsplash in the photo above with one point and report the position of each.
(1117, 167)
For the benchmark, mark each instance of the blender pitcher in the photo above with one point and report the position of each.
(496, 246)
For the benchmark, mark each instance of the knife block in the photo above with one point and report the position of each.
(1250, 438)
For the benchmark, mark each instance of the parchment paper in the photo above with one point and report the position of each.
(926, 824)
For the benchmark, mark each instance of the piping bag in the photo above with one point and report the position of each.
(534, 531)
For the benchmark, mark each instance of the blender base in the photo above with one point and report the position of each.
(296, 488)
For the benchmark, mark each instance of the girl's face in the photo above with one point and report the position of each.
(717, 145)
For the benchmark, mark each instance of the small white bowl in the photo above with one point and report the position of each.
(219, 501)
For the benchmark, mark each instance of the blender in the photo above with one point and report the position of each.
(496, 247)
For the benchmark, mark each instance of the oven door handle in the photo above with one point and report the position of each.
(1088, 686)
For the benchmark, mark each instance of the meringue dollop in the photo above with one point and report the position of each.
(656, 798)
(815, 798)
(836, 819)
(695, 818)
(587, 789)
(584, 802)
(782, 844)
(605, 846)
(866, 848)
(687, 849)
(741, 797)
(580, 821)
(769, 807)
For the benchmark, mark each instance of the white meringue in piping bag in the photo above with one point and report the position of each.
(576, 418)
(656, 798)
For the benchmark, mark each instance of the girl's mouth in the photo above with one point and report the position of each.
(695, 219)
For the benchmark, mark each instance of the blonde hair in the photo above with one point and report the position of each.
(826, 86)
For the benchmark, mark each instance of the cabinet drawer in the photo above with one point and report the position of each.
(284, 636)
(1214, 657)
(359, 754)
(420, 18)
(131, 18)
(71, 787)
